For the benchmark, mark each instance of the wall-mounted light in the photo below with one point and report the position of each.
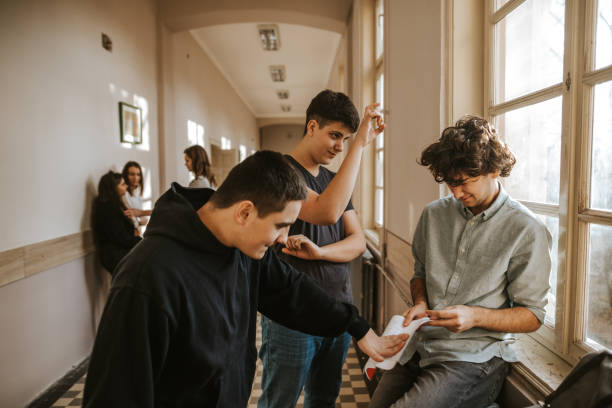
(277, 72)
(268, 34)
(107, 44)
(286, 108)
(282, 94)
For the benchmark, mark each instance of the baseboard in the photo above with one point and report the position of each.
(59, 388)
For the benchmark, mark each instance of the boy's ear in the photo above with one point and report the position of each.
(311, 126)
(245, 210)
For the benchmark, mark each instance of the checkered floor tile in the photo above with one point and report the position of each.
(353, 391)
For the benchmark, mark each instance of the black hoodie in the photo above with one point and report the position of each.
(178, 329)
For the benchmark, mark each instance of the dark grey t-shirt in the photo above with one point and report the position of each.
(332, 277)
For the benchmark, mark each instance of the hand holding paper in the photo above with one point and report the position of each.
(393, 328)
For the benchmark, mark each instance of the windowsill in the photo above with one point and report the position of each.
(372, 237)
(541, 367)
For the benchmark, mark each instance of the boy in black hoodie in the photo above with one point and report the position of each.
(178, 329)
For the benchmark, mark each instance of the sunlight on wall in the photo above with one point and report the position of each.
(143, 104)
(195, 133)
(146, 192)
(226, 143)
(243, 152)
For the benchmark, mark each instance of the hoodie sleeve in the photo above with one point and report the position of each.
(295, 301)
(129, 352)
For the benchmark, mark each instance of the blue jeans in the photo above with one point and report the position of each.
(449, 384)
(293, 360)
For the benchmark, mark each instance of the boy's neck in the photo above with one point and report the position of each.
(214, 219)
(302, 155)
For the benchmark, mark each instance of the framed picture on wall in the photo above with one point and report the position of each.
(130, 123)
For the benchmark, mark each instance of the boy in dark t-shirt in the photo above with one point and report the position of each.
(293, 360)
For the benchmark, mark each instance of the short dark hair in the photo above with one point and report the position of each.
(266, 178)
(471, 147)
(329, 106)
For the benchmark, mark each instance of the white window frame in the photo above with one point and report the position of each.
(567, 337)
(380, 71)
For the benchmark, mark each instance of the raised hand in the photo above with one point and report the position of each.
(369, 128)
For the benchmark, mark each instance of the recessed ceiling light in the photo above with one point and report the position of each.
(268, 34)
(286, 108)
(277, 72)
(282, 94)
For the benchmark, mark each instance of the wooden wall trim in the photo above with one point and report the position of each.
(28, 260)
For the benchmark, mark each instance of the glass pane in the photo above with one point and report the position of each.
(380, 168)
(380, 28)
(603, 39)
(601, 167)
(378, 206)
(599, 306)
(552, 223)
(529, 49)
(534, 136)
(380, 98)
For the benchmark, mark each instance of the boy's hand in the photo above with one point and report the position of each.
(380, 348)
(301, 247)
(456, 318)
(415, 312)
(367, 130)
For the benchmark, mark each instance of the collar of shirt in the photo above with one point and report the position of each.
(502, 196)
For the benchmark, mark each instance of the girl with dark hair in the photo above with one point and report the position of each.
(114, 232)
(132, 175)
(196, 161)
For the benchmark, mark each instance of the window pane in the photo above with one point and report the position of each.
(380, 98)
(603, 41)
(534, 136)
(552, 223)
(378, 206)
(380, 28)
(601, 167)
(599, 315)
(380, 168)
(529, 48)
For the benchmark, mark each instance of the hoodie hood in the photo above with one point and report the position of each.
(175, 217)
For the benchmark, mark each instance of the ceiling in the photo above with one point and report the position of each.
(307, 53)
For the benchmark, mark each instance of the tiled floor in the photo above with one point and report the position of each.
(353, 392)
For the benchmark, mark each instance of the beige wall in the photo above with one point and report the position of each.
(281, 138)
(60, 133)
(413, 59)
(195, 90)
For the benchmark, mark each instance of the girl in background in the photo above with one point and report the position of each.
(132, 175)
(196, 161)
(114, 232)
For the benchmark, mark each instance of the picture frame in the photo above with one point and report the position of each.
(130, 123)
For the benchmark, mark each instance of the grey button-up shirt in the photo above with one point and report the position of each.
(497, 259)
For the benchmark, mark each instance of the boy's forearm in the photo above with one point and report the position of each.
(418, 291)
(345, 250)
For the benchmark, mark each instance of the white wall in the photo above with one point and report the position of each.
(60, 133)
(196, 91)
(413, 60)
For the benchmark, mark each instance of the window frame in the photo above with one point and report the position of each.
(567, 338)
(379, 69)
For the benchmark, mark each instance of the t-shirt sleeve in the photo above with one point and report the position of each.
(129, 352)
(295, 301)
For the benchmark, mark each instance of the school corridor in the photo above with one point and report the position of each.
(87, 86)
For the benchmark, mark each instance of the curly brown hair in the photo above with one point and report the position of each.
(471, 148)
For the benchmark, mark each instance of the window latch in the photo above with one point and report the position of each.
(568, 82)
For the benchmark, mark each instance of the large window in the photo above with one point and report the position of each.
(553, 107)
(379, 152)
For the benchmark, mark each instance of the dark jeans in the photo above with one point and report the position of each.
(450, 384)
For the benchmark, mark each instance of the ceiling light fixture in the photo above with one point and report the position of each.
(282, 94)
(286, 108)
(277, 72)
(268, 34)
